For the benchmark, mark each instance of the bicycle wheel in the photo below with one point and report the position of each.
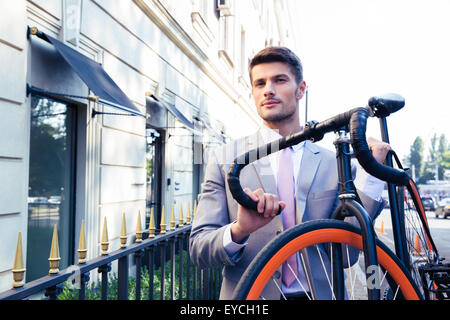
(421, 248)
(313, 239)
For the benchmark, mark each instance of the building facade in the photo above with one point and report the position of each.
(67, 157)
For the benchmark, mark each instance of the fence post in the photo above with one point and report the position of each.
(163, 269)
(151, 260)
(151, 271)
(104, 271)
(122, 264)
(84, 278)
(172, 255)
(163, 254)
(122, 271)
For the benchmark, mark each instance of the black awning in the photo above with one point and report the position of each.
(94, 76)
(173, 110)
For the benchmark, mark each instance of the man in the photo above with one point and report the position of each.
(227, 234)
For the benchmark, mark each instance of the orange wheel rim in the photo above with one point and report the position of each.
(323, 236)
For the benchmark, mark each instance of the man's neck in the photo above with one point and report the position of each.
(283, 129)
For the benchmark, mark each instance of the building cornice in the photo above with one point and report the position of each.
(171, 28)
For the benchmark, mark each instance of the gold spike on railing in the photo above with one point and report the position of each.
(151, 226)
(123, 233)
(163, 221)
(172, 219)
(54, 253)
(82, 249)
(188, 214)
(18, 269)
(195, 209)
(181, 218)
(139, 228)
(105, 241)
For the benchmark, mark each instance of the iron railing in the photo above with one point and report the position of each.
(152, 252)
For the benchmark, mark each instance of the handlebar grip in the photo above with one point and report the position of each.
(238, 193)
(357, 127)
(236, 189)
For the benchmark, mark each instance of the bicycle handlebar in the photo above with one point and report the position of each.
(356, 119)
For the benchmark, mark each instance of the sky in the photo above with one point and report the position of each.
(352, 50)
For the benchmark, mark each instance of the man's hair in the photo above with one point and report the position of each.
(278, 54)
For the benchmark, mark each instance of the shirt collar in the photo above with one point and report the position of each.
(269, 135)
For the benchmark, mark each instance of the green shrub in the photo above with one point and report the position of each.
(93, 291)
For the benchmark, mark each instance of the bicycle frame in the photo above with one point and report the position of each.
(351, 206)
(397, 215)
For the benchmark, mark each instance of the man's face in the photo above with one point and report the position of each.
(275, 91)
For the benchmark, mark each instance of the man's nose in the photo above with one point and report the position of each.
(269, 90)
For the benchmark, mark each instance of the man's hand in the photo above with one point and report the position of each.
(249, 221)
(379, 149)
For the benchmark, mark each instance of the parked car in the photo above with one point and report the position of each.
(443, 208)
(54, 199)
(429, 204)
(37, 200)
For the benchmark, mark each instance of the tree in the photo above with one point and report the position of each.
(442, 149)
(431, 166)
(446, 160)
(416, 157)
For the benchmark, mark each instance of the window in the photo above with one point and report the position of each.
(154, 140)
(51, 187)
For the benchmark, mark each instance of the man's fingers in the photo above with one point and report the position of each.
(261, 200)
(282, 204)
(252, 195)
(257, 196)
(268, 204)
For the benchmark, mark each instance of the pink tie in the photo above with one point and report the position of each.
(285, 188)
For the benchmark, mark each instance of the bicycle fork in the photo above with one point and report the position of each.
(351, 206)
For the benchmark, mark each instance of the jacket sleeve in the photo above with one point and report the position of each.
(211, 219)
(372, 206)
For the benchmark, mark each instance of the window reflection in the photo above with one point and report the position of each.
(153, 163)
(51, 179)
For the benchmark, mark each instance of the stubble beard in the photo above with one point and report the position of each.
(279, 117)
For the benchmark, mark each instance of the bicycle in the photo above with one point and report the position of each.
(414, 271)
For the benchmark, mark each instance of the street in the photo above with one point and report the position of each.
(355, 276)
(439, 231)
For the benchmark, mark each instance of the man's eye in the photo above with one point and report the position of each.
(259, 84)
(281, 80)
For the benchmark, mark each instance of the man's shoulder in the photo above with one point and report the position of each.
(227, 152)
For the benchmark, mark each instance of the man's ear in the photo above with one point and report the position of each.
(301, 90)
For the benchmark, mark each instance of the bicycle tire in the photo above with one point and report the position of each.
(316, 232)
(420, 247)
(420, 244)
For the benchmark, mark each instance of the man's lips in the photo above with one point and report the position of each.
(270, 103)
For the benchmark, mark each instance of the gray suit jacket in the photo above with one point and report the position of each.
(316, 198)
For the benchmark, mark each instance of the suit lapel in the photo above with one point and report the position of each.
(308, 168)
